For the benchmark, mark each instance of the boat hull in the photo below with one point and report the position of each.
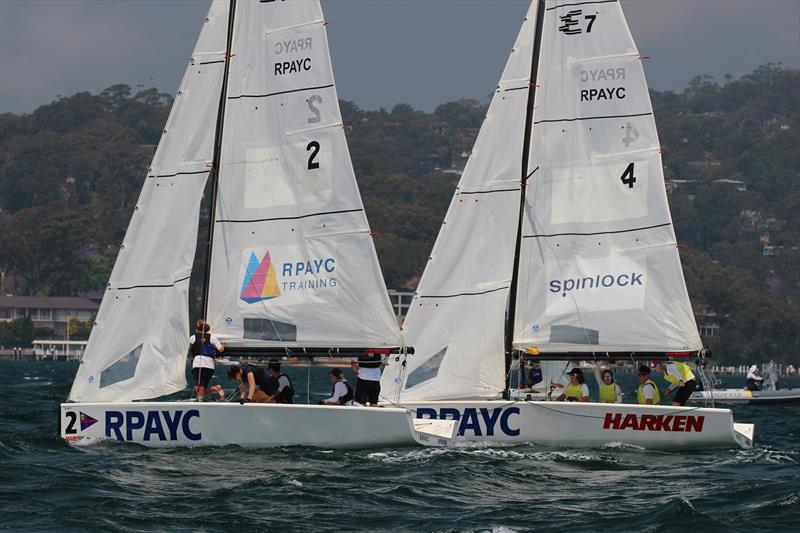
(551, 424)
(744, 396)
(171, 424)
(587, 425)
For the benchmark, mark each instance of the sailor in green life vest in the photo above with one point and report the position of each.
(609, 390)
(681, 378)
(577, 390)
(647, 392)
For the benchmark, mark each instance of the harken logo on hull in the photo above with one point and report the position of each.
(260, 280)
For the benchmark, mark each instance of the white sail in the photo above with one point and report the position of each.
(293, 262)
(137, 348)
(599, 266)
(456, 320)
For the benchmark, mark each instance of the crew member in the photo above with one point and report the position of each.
(753, 379)
(252, 383)
(368, 383)
(535, 374)
(609, 390)
(647, 391)
(577, 390)
(284, 392)
(204, 347)
(342, 392)
(681, 378)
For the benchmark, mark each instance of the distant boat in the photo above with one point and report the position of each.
(769, 393)
(558, 244)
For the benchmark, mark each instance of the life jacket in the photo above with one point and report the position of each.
(656, 395)
(685, 371)
(574, 393)
(347, 397)
(202, 345)
(287, 394)
(259, 376)
(608, 393)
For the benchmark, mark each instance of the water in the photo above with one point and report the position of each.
(47, 485)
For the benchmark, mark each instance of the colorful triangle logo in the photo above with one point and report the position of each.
(87, 421)
(260, 281)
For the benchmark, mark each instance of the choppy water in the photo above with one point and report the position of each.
(47, 485)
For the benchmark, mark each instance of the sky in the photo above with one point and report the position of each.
(419, 52)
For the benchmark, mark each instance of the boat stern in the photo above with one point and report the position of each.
(744, 434)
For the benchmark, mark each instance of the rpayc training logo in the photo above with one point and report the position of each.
(263, 280)
(260, 280)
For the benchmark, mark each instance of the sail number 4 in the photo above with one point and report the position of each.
(627, 177)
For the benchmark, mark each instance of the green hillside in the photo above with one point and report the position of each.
(70, 173)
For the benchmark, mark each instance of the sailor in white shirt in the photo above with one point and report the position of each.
(368, 382)
(753, 379)
(342, 393)
(204, 346)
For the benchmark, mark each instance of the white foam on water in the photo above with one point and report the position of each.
(408, 456)
(621, 446)
(296, 482)
(685, 500)
(759, 454)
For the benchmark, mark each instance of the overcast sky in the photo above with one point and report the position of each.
(384, 51)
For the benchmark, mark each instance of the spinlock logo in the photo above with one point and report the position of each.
(480, 422)
(684, 423)
(600, 281)
(264, 281)
(151, 425)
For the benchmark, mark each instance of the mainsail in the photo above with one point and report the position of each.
(599, 268)
(293, 262)
(456, 320)
(137, 348)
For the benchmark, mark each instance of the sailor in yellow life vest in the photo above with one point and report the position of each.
(609, 390)
(647, 391)
(577, 390)
(681, 378)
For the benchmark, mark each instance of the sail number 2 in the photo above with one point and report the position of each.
(627, 177)
(316, 117)
(73, 420)
(312, 147)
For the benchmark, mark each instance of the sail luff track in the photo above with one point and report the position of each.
(512, 296)
(215, 164)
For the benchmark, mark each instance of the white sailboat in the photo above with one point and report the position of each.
(292, 268)
(558, 243)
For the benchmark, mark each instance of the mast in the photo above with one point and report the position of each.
(212, 212)
(526, 148)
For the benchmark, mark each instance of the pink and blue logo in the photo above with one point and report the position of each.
(260, 280)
